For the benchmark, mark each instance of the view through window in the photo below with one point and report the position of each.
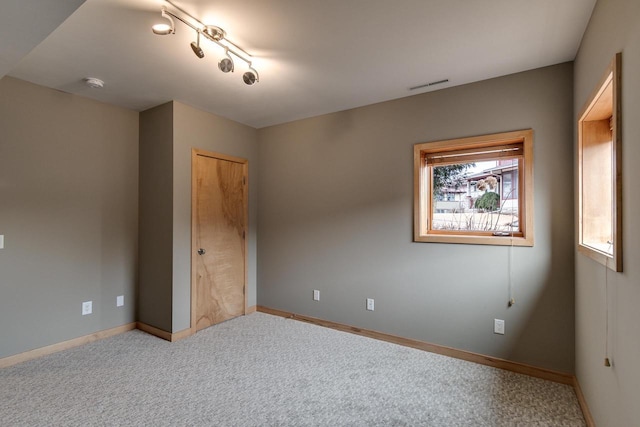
(480, 196)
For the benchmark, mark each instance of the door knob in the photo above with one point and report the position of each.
(201, 251)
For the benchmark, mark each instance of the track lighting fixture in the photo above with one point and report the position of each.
(215, 34)
(226, 64)
(196, 47)
(164, 29)
(251, 76)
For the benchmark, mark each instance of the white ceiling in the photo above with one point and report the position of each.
(314, 56)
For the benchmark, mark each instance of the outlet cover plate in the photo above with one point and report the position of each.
(119, 300)
(498, 326)
(87, 307)
(316, 295)
(370, 304)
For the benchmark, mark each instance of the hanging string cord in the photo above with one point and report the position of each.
(607, 362)
(510, 262)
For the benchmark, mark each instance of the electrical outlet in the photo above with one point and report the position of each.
(119, 300)
(370, 304)
(316, 295)
(498, 326)
(1, 241)
(87, 307)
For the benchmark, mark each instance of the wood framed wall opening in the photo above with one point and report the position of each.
(600, 172)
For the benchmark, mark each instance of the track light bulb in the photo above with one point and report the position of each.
(195, 46)
(197, 50)
(250, 77)
(226, 64)
(161, 29)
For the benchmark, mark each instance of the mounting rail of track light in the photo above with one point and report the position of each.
(210, 32)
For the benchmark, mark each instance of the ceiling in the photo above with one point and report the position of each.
(24, 24)
(313, 56)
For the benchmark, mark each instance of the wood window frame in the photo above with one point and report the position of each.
(423, 189)
(604, 104)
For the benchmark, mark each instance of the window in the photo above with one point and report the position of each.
(600, 171)
(491, 177)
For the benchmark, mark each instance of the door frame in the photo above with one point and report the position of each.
(195, 152)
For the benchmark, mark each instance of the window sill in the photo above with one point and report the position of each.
(474, 240)
(600, 257)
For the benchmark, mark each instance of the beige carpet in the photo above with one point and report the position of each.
(262, 370)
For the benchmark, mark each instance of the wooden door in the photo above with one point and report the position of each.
(219, 222)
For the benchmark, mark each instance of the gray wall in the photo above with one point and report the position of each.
(335, 214)
(197, 129)
(612, 393)
(69, 213)
(167, 134)
(155, 289)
